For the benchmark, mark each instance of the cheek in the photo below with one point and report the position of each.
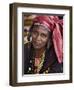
(33, 37)
(44, 41)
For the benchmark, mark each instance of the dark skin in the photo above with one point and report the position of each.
(40, 38)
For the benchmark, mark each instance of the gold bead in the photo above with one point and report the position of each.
(46, 71)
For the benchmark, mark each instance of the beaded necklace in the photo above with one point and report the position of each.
(39, 66)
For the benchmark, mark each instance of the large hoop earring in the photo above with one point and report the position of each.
(29, 37)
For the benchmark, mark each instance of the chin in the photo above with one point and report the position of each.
(38, 48)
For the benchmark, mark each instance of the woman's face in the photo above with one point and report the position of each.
(39, 37)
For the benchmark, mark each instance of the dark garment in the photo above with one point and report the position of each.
(50, 64)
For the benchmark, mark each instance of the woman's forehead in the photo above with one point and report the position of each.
(40, 29)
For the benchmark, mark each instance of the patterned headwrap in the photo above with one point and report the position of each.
(54, 25)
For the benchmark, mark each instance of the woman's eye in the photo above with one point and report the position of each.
(43, 35)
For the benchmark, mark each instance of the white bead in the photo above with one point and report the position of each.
(30, 61)
(29, 69)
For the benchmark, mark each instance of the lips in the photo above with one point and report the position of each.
(37, 45)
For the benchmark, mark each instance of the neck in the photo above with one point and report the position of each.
(39, 52)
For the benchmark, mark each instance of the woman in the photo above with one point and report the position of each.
(44, 53)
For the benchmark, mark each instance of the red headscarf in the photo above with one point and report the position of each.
(54, 25)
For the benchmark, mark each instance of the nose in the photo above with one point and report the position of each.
(38, 38)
